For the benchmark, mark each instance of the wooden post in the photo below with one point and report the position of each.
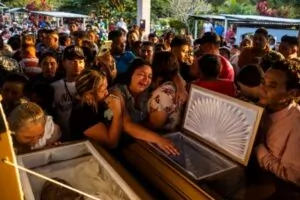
(10, 185)
(299, 41)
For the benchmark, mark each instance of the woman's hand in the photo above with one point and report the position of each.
(114, 103)
(167, 146)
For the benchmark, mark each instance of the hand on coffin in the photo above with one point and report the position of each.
(167, 146)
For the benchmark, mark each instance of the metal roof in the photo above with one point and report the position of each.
(251, 19)
(59, 14)
(17, 10)
(2, 5)
(261, 18)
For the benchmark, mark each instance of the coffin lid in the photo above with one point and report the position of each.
(225, 124)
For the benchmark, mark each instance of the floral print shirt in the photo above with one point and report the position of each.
(164, 99)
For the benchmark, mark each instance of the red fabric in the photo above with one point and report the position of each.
(227, 71)
(222, 86)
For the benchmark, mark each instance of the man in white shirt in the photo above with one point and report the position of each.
(208, 26)
(121, 24)
(64, 89)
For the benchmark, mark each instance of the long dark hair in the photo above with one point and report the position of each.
(134, 65)
(165, 65)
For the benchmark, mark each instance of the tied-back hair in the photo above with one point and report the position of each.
(24, 115)
(86, 85)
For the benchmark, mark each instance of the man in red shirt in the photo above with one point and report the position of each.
(209, 44)
(209, 71)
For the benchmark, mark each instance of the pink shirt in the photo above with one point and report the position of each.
(281, 155)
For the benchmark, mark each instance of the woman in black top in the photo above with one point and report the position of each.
(95, 114)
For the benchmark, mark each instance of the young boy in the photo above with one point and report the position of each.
(64, 89)
(209, 72)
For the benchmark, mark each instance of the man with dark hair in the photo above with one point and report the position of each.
(52, 44)
(147, 51)
(279, 153)
(209, 72)
(253, 55)
(289, 46)
(152, 37)
(180, 47)
(248, 82)
(123, 58)
(209, 44)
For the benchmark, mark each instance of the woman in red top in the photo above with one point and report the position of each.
(209, 70)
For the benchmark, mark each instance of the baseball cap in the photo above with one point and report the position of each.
(209, 37)
(72, 52)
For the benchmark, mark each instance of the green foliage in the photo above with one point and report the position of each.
(15, 3)
(177, 25)
(237, 7)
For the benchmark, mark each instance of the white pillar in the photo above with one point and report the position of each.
(144, 12)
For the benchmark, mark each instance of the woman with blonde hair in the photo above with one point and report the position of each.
(32, 128)
(95, 114)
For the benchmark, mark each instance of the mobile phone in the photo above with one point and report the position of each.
(105, 47)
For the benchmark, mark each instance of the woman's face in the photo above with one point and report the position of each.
(30, 134)
(141, 79)
(102, 91)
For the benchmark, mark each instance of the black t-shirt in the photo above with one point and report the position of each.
(84, 116)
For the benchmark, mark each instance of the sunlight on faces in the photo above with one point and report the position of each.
(101, 91)
(141, 79)
(119, 44)
(51, 40)
(92, 37)
(182, 53)
(30, 134)
(133, 37)
(286, 49)
(154, 40)
(147, 53)
(49, 66)
(273, 88)
(259, 41)
(74, 67)
(12, 92)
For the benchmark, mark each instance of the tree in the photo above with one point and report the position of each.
(235, 7)
(182, 9)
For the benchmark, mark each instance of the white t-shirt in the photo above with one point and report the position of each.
(63, 104)
(207, 27)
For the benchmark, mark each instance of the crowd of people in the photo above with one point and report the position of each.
(58, 88)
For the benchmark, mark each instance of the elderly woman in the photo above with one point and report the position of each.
(32, 128)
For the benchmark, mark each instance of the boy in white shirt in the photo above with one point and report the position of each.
(64, 89)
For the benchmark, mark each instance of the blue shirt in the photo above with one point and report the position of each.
(219, 30)
(123, 61)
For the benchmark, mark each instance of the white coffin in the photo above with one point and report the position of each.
(215, 144)
(62, 161)
(218, 134)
